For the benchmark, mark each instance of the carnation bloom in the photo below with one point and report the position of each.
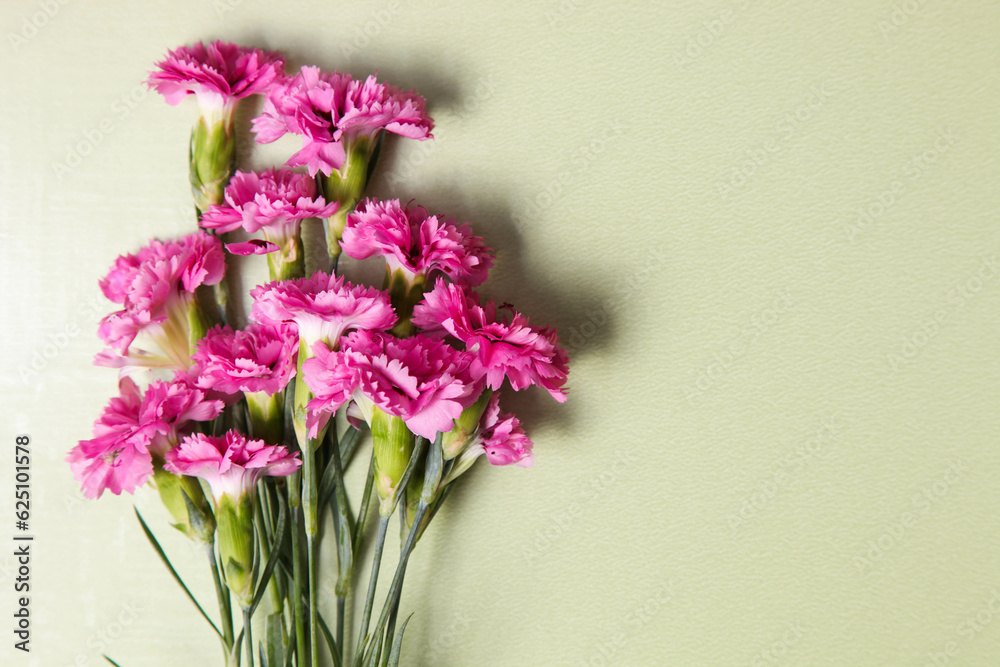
(421, 380)
(514, 349)
(323, 306)
(331, 110)
(272, 202)
(133, 429)
(416, 243)
(217, 74)
(500, 437)
(259, 358)
(230, 463)
(155, 288)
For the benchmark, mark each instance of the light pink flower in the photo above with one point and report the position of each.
(231, 464)
(218, 74)
(514, 349)
(323, 306)
(132, 430)
(273, 202)
(419, 379)
(416, 242)
(259, 358)
(154, 288)
(330, 109)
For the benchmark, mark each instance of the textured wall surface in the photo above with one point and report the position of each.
(766, 230)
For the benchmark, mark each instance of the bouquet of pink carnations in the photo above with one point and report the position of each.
(245, 429)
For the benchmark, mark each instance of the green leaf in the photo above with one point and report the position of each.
(272, 650)
(177, 577)
(398, 644)
(279, 534)
(110, 660)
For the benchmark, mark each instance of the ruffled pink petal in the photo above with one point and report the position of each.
(252, 247)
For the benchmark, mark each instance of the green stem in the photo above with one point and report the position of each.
(222, 594)
(383, 526)
(395, 590)
(295, 591)
(248, 630)
(313, 601)
(341, 603)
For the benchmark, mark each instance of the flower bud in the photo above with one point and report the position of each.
(212, 158)
(236, 544)
(466, 426)
(345, 186)
(393, 446)
(186, 502)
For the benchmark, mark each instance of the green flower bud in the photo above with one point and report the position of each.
(184, 499)
(267, 415)
(236, 544)
(346, 186)
(393, 446)
(406, 290)
(212, 159)
(466, 425)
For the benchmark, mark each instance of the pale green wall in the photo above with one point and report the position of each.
(764, 388)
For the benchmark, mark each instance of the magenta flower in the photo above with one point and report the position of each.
(421, 380)
(514, 349)
(155, 288)
(328, 110)
(132, 430)
(259, 358)
(502, 439)
(217, 74)
(231, 463)
(323, 306)
(273, 202)
(415, 242)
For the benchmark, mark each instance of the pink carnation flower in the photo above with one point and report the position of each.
(421, 380)
(132, 430)
(323, 306)
(231, 463)
(155, 287)
(273, 202)
(415, 242)
(501, 438)
(330, 109)
(259, 358)
(513, 349)
(217, 74)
